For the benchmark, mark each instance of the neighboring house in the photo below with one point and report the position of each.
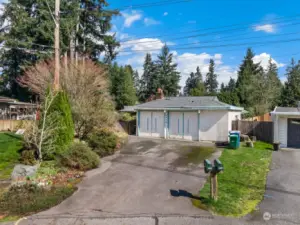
(190, 118)
(264, 117)
(287, 126)
(11, 109)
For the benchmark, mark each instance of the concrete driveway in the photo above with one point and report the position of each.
(137, 181)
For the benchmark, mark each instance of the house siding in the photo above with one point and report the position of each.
(214, 126)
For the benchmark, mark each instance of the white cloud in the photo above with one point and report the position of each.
(187, 62)
(143, 44)
(165, 13)
(131, 17)
(268, 28)
(150, 21)
(263, 59)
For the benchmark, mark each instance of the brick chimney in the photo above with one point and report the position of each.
(160, 94)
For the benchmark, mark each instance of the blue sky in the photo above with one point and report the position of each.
(189, 25)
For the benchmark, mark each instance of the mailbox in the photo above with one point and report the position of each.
(218, 166)
(207, 166)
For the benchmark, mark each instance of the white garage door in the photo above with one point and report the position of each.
(191, 126)
(151, 124)
(183, 125)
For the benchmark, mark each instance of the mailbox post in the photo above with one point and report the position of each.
(213, 170)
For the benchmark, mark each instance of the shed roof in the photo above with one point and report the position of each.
(286, 109)
(203, 102)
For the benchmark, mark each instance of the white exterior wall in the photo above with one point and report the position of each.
(214, 126)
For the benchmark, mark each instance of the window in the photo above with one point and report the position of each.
(178, 126)
(155, 125)
(188, 126)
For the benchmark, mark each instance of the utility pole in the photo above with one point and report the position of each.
(56, 45)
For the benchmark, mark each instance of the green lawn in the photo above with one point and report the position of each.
(242, 184)
(10, 144)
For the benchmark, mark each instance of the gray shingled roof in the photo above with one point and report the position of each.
(203, 102)
(286, 109)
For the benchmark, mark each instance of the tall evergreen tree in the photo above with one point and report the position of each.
(291, 91)
(167, 75)
(29, 36)
(136, 81)
(211, 83)
(228, 93)
(122, 86)
(147, 79)
(194, 84)
(274, 85)
(246, 76)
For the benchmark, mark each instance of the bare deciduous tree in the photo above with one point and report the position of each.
(87, 87)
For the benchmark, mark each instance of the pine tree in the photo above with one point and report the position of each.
(189, 84)
(198, 75)
(228, 93)
(122, 86)
(136, 81)
(194, 84)
(147, 79)
(291, 92)
(30, 33)
(274, 86)
(211, 83)
(167, 76)
(246, 76)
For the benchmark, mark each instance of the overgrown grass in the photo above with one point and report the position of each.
(242, 184)
(194, 154)
(10, 145)
(28, 199)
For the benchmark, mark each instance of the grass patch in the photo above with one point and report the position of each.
(194, 154)
(10, 145)
(242, 184)
(28, 199)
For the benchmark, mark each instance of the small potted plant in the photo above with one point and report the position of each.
(276, 146)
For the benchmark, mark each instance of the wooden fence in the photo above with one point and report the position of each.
(13, 125)
(263, 130)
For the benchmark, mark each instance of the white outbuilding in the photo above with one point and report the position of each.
(189, 118)
(286, 126)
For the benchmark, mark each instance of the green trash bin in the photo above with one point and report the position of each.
(234, 141)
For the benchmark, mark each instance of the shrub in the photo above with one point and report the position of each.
(28, 157)
(29, 198)
(103, 142)
(127, 117)
(79, 156)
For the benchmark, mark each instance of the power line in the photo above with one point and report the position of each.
(221, 46)
(245, 25)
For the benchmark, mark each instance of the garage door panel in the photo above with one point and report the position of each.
(293, 133)
(157, 124)
(176, 125)
(191, 125)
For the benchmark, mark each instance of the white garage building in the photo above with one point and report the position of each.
(190, 118)
(287, 126)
